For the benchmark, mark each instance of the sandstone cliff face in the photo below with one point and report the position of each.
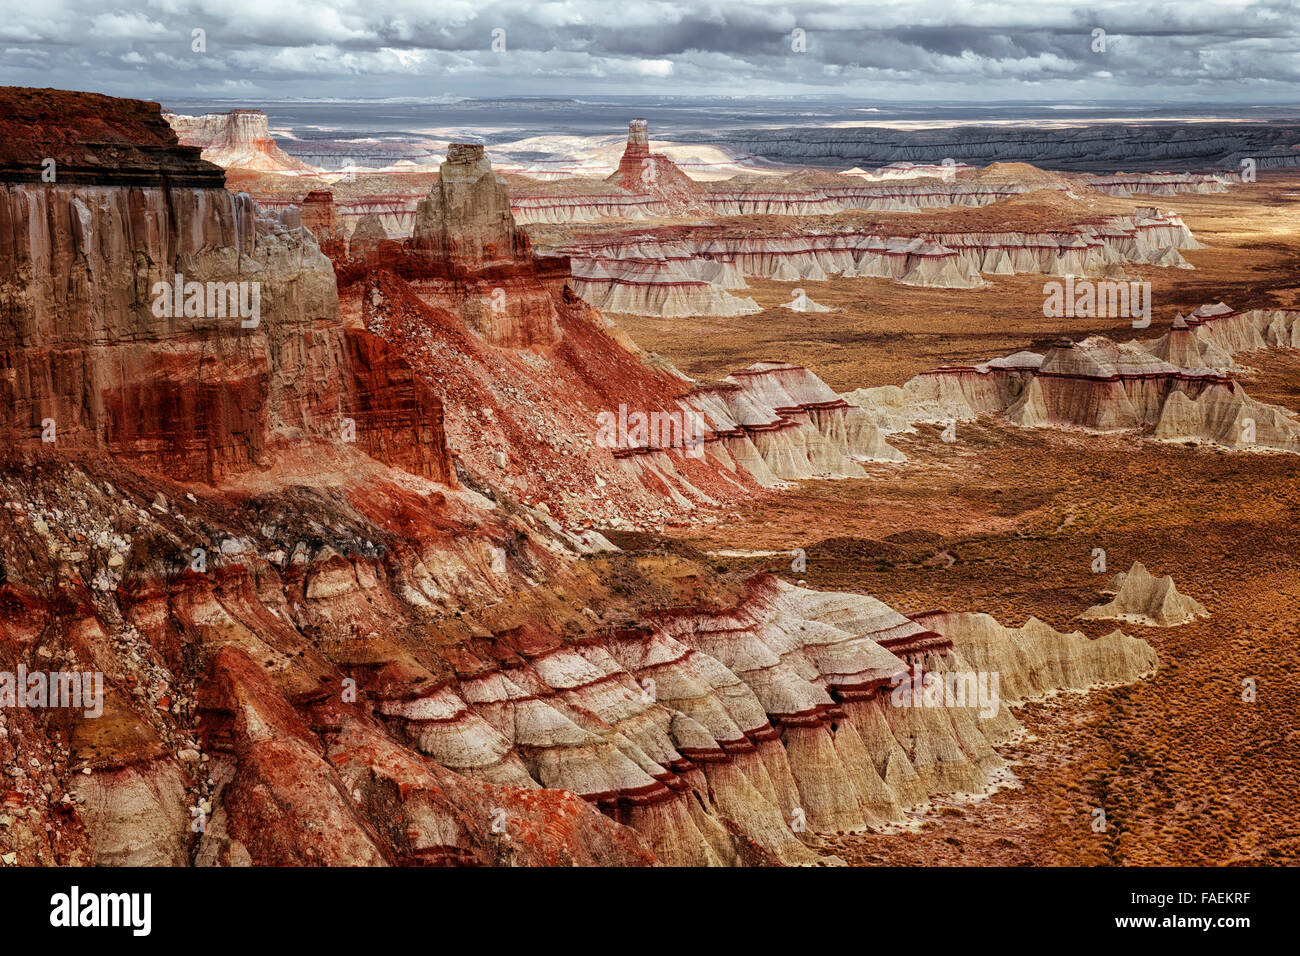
(100, 349)
(320, 217)
(466, 217)
(242, 721)
(1212, 334)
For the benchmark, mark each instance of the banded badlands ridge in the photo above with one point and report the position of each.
(679, 273)
(427, 628)
(1178, 387)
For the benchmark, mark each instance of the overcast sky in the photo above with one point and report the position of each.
(983, 51)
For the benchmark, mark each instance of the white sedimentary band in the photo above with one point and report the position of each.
(939, 260)
(1175, 388)
(1158, 184)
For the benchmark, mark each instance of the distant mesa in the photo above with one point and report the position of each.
(239, 139)
(1160, 184)
(1085, 147)
(905, 170)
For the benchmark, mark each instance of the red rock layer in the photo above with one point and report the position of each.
(320, 217)
(93, 140)
(94, 356)
(655, 175)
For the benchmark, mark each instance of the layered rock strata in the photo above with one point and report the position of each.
(151, 314)
(337, 688)
(324, 651)
(466, 216)
(1175, 388)
(1046, 661)
(1213, 334)
(619, 274)
(544, 401)
(1158, 184)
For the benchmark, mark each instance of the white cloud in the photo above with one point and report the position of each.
(127, 26)
(653, 67)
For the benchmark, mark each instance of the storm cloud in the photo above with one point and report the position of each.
(1238, 52)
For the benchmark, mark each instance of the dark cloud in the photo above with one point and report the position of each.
(988, 49)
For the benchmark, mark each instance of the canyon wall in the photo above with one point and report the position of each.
(391, 649)
(543, 399)
(150, 313)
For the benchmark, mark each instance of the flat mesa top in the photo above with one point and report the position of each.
(93, 139)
